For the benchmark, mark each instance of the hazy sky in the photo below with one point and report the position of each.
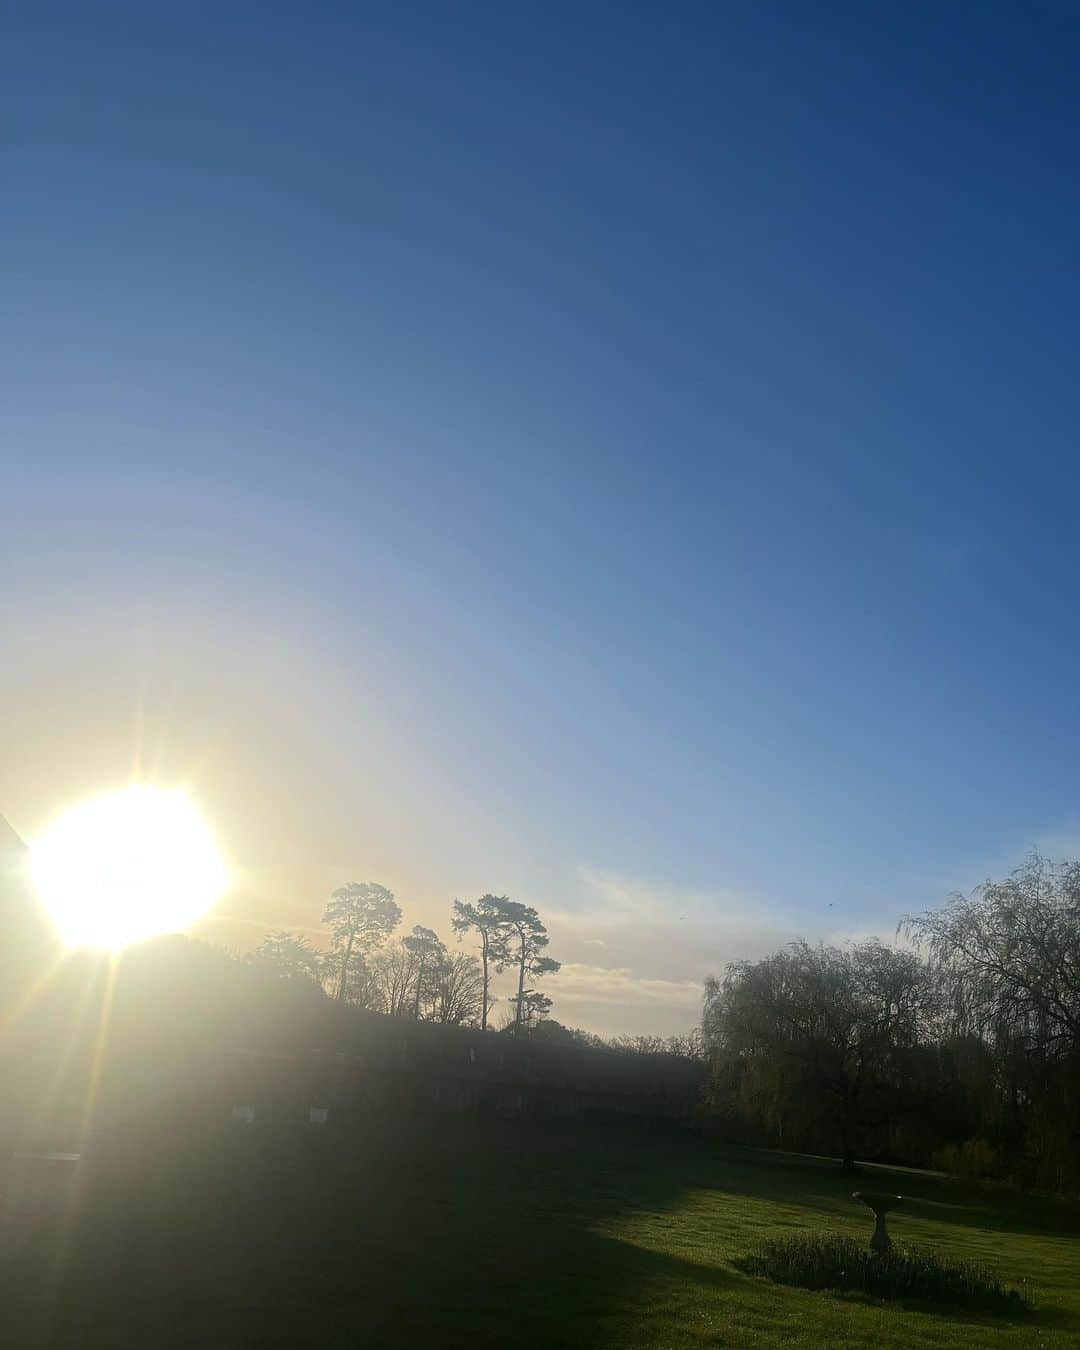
(622, 456)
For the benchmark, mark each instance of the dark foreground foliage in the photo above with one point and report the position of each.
(830, 1261)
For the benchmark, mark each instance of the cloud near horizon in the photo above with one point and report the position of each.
(659, 943)
(606, 984)
(616, 1001)
(662, 931)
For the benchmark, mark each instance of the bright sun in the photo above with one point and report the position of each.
(127, 865)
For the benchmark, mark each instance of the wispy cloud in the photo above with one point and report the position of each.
(658, 940)
(621, 985)
(613, 896)
(667, 931)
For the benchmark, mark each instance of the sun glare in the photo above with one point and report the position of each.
(126, 866)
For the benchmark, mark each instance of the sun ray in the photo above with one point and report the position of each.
(40, 1119)
(97, 1057)
(29, 996)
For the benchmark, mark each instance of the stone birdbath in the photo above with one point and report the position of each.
(880, 1241)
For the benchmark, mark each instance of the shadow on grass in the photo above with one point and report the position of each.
(446, 1230)
(399, 1237)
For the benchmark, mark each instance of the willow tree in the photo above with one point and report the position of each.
(818, 1037)
(1007, 959)
(1008, 956)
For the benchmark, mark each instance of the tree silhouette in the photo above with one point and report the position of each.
(529, 1010)
(396, 970)
(363, 987)
(487, 917)
(526, 939)
(457, 990)
(427, 951)
(361, 915)
(289, 956)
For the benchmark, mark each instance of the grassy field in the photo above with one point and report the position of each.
(465, 1233)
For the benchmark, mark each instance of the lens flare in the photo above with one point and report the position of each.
(127, 865)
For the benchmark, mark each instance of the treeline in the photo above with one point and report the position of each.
(417, 975)
(962, 1052)
(691, 1045)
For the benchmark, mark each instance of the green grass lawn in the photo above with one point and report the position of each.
(461, 1232)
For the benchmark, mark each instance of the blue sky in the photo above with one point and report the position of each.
(586, 451)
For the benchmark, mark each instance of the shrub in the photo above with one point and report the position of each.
(975, 1159)
(830, 1261)
(978, 1159)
